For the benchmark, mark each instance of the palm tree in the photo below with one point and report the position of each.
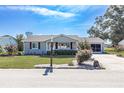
(19, 39)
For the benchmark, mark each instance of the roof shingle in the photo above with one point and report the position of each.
(42, 38)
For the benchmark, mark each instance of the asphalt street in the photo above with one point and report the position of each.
(74, 78)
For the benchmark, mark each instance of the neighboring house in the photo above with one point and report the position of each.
(121, 44)
(40, 44)
(7, 41)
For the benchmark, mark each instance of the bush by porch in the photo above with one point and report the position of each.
(63, 52)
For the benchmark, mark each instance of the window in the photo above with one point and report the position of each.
(34, 45)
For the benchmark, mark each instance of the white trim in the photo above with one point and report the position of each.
(46, 46)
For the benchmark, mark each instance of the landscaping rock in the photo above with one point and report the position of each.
(96, 64)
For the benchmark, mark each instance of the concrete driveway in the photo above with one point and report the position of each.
(110, 62)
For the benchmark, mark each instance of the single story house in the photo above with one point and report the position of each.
(121, 44)
(7, 41)
(40, 44)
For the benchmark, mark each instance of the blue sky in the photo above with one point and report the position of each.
(60, 19)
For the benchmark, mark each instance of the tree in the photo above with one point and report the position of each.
(110, 25)
(98, 29)
(19, 39)
(1, 49)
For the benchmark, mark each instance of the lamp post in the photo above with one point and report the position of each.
(51, 55)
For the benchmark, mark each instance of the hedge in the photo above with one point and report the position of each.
(63, 52)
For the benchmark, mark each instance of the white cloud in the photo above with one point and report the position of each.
(78, 8)
(74, 8)
(42, 11)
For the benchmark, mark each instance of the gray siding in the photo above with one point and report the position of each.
(43, 47)
(28, 51)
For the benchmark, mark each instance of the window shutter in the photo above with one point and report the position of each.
(30, 45)
(71, 45)
(38, 45)
(56, 45)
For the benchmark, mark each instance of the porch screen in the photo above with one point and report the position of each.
(64, 45)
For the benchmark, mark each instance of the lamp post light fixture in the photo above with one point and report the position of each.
(51, 55)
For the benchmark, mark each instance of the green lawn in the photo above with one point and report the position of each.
(113, 51)
(30, 61)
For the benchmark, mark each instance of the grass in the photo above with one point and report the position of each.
(29, 61)
(114, 51)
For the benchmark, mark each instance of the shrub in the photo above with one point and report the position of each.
(83, 55)
(63, 52)
(1, 50)
(84, 52)
(20, 53)
(48, 52)
(110, 50)
(11, 49)
(120, 55)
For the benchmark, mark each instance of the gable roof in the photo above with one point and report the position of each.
(37, 38)
(42, 38)
(96, 39)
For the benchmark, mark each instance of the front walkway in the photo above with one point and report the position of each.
(110, 62)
